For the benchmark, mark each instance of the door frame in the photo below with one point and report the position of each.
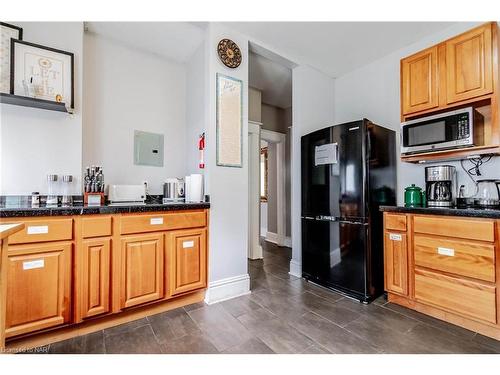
(254, 248)
(279, 139)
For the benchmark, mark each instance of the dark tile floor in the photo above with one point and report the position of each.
(283, 314)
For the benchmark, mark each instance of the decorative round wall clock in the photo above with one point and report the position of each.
(229, 53)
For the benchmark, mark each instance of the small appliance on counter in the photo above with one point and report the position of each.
(194, 188)
(414, 196)
(173, 190)
(440, 186)
(126, 195)
(487, 194)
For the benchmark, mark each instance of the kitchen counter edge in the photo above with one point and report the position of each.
(466, 212)
(86, 210)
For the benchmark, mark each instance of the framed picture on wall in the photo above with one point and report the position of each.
(229, 121)
(42, 72)
(7, 32)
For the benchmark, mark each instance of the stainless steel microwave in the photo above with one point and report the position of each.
(443, 131)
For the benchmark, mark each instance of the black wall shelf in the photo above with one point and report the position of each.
(26, 101)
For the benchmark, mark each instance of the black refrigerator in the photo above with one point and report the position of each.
(348, 171)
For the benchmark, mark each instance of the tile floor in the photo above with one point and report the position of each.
(283, 314)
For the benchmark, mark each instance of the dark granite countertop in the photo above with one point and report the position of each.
(464, 212)
(26, 211)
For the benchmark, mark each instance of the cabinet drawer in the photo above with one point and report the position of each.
(465, 258)
(44, 230)
(466, 298)
(395, 222)
(161, 222)
(185, 220)
(97, 226)
(143, 223)
(474, 229)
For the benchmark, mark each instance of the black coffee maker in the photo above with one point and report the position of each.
(440, 186)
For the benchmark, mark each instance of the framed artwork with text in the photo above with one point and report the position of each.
(7, 32)
(48, 72)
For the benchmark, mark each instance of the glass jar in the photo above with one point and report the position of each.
(51, 190)
(67, 197)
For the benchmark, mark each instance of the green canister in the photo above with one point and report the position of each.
(413, 196)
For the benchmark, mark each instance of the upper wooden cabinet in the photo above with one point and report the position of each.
(142, 269)
(419, 81)
(452, 73)
(469, 65)
(38, 287)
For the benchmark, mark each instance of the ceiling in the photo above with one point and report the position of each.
(175, 41)
(273, 79)
(336, 48)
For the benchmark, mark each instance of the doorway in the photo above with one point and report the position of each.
(270, 123)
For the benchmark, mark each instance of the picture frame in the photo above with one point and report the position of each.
(229, 121)
(7, 32)
(52, 71)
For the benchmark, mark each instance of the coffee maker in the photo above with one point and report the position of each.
(440, 186)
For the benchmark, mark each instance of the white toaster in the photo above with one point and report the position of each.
(127, 194)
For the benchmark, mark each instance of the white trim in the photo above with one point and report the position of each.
(295, 268)
(288, 241)
(224, 289)
(272, 237)
(254, 248)
(280, 140)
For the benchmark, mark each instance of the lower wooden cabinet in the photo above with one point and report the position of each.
(142, 271)
(38, 287)
(187, 260)
(396, 262)
(94, 288)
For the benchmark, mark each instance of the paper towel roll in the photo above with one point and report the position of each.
(195, 188)
(187, 189)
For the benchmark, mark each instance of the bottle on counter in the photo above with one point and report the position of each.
(35, 199)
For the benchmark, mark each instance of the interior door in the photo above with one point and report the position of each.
(334, 254)
(142, 269)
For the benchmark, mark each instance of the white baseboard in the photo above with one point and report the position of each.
(272, 237)
(295, 268)
(231, 287)
(288, 241)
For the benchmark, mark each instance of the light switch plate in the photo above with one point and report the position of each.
(148, 148)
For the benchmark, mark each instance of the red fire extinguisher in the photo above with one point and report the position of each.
(201, 147)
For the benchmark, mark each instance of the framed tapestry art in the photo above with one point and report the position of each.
(7, 32)
(229, 122)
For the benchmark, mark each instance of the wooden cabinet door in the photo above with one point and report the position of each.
(142, 269)
(419, 81)
(38, 287)
(96, 273)
(396, 263)
(187, 260)
(469, 71)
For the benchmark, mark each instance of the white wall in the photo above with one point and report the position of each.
(373, 92)
(312, 109)
(125, 90)
(196, 107)
(228, 187)
(35, 142)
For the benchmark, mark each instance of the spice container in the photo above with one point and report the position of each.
(35, 199)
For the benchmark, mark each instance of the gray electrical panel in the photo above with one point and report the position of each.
(148, 149)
